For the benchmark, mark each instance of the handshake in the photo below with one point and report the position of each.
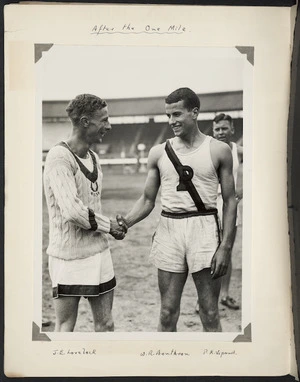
(118, 227)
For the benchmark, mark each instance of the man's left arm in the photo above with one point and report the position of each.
(239, 178)
(221, 258)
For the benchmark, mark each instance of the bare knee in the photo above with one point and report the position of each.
(66, 314)
(106, 324)
(65, 320)
(66, 326)
(65, 323)
(211, 314)
(169, 317)
(210, 319)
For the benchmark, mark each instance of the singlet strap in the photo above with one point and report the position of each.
(185, 176)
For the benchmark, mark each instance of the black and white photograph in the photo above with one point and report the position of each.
(142, 189)
(146, 215)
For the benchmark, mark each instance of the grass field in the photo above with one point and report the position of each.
(137, 302)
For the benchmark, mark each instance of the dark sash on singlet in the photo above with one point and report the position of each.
(186, 174)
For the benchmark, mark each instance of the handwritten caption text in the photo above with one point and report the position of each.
(129, 28)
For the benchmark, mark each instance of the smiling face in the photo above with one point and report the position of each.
(181, 120)
(96, 126)
(223, 131)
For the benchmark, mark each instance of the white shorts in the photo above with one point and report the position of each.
(87, 277)
(186, 244)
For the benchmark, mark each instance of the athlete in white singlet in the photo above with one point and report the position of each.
(223, 130)
(187, 237)
(205, 178)
(190, 240)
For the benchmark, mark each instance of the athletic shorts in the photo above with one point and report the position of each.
(185, 244)
(87, 277)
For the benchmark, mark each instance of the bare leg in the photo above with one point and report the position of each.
(208, 295)
(102, 312)
(66, 309)
(170, 287)
(226, 281)
(225, 297)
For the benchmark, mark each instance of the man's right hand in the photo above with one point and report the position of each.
(220, 262)
(117, 231)
(122, 222)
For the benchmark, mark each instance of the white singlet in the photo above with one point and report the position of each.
(205, 179)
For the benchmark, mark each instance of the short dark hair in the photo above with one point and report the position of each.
(189, 98)
(84, 104)
(222, 117)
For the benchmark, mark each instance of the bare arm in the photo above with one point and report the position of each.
(239, 179)
(229, 201)
(146, 202)
(221, 258)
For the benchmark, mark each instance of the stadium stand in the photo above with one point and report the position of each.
(137, 121)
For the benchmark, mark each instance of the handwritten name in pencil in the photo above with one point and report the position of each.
(128, 28)
(219, 353)
(82, 351)
(173, 352)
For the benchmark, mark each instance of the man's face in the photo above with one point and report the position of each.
(98, 126)
(181, 120)
(223, 131)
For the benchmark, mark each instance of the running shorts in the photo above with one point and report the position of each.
(185, 244)
(87, 277)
